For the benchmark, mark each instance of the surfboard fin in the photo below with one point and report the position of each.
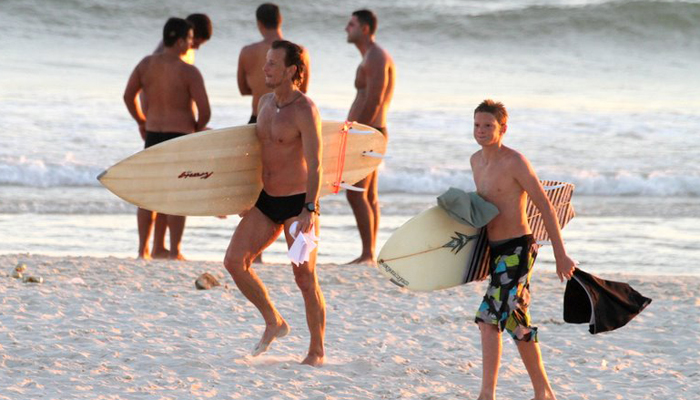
(359, 132)
(373, 154)
(346, 186)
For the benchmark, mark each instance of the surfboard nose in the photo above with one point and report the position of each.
(103, 173)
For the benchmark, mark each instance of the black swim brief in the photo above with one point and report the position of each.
(280, 209)
(253, 119)
(153, 138)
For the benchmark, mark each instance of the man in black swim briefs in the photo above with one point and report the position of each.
(171, 87)
(289, 129)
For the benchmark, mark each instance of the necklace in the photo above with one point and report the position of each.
(285, 105)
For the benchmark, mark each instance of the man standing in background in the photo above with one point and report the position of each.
(251, 78)
(374, 82)
(172, 88)
(202, 33)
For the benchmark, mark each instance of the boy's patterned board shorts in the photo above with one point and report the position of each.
(507, 299)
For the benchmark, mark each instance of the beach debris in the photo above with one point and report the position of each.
(33, 279)
(17, 272)
(206, 281)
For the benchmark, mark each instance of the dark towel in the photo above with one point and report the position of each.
(614, 304)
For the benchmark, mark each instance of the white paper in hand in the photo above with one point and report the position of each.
(304, 244)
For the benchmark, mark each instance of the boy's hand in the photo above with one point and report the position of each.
(565, 267)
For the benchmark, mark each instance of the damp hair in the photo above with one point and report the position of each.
(368, 18)
(201, 24)
(174, 29)
(293, 55)
(269, 16)
(495, 108)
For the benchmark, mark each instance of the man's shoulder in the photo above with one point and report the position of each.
(253, 48)
(377, 54)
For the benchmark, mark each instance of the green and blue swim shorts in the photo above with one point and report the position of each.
(507, 299)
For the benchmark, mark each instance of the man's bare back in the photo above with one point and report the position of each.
(251, 78)
(171, 86)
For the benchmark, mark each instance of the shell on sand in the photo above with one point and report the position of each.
(206, 281)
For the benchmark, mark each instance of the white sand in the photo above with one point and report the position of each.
(108, 328)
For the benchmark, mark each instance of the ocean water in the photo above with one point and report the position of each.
(604, 94)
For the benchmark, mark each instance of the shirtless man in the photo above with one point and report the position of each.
(251, 79)
(505, 178)
(289, 129)
(171, 86)
(202, 33)
(375, 87)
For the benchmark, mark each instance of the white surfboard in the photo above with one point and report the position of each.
(219, 172)
(433, 251)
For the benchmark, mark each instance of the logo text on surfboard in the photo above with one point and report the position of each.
(190, 174)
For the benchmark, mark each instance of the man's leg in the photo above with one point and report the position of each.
(373, 199)
(364, 216)
(491, 348)
(532, 358)
(176, 224)
(159, 250)
(314, 302)
(144, 221)
(254, 233)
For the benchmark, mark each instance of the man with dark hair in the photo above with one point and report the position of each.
(289, 129)
(505, 178)
(202, 33)
(172, 87)
(374, 82)
(251, 79)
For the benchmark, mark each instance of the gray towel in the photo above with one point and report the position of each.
(467, 208)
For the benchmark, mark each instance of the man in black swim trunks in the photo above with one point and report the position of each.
(374, 82)
(171, 87)
(289, 129)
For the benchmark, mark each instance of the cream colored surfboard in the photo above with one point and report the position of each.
(433, 251)
(219, 172)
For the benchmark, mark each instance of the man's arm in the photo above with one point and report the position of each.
(133, 87)
(377, 74)
(527, 178)
(309, 124)
(242, 82)
(304, 86)
(200, 98)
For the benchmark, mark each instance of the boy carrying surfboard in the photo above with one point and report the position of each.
(505, 178)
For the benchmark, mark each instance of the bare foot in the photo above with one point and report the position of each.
(161, 254)
(314, 360)
(145, 256)
(271, 333)
(364, 260)
(178, 257)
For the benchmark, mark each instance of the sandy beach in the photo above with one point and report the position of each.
(111, 328)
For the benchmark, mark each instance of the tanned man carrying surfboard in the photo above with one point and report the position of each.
(505, 178)
(171, 87)
(374, 82)
(251, 78)
(289, 129)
